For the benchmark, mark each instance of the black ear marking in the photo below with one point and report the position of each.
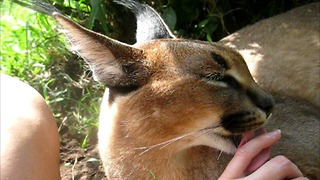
(149, 23)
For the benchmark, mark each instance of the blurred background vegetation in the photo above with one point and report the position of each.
(33, 50)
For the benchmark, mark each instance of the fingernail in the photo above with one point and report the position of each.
(275, 132)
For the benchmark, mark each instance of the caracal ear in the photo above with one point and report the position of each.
(113, 63)
(149, 23)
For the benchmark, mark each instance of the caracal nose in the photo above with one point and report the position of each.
(267, 104)
(263, 101)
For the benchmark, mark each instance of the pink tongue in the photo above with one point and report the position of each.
(262, 157)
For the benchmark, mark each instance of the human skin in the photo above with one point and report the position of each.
(29, 134)
(277, 168)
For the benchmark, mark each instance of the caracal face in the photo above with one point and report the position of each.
(193, 87)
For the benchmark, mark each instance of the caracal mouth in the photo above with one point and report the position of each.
(236, 129)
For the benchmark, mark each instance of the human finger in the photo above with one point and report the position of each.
(244, 155)
(277, 168)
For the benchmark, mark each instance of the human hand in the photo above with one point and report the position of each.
(249, 158)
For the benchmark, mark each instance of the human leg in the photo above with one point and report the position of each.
(29, 134)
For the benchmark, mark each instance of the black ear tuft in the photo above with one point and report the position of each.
(149, 23)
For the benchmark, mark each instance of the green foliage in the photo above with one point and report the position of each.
(170, 18)
(152, 175)
(34, 51)
(98, 12)
(214, 19)
(26, 42)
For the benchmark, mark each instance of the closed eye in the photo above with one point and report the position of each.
(229, 80)
(214, 77)
(220, 60)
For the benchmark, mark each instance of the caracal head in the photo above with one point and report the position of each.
(163, 87)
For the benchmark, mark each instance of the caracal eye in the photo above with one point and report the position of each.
(220, 60)
(227, 80)
(214, 77)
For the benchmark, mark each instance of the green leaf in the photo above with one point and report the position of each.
(170, 18)
(203, 23)
(153, 176)
(79, 10)
(98, 13)
(209, 29)
(84, 142)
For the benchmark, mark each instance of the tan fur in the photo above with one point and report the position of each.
(172, 105)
